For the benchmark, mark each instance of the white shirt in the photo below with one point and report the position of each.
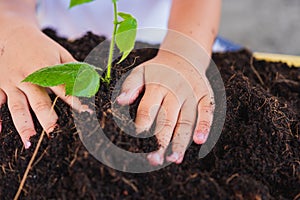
(97, 17)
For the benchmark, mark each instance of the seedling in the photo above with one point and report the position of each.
(81, 79)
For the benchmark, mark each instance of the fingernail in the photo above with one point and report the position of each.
(27, 144)
(51, 129)
(121, 98)
(155, 159)
(134, 96)
(180, 159)
(139, 129)
(85, 108)
(127, 97)
(200, 137)
(173, 157)
(50, 132)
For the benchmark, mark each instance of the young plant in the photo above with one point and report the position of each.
(81, 79)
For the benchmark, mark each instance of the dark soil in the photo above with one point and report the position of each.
(256, 157)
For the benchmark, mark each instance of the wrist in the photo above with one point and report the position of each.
(14, 14)
(196, 53)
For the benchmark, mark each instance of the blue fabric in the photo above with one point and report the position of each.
(224, 45)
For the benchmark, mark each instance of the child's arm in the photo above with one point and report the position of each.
(23, 50)
(177, 91)
(197, 19)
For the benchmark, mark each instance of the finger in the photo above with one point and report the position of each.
(19, 109)
(148, 107)
(2, 97)
(205, 117)
(2, 101)
(65, 56)
(132, 86)
(41, 104)
(165, 124)
(157, 157)
(183, 131)
(74, 102)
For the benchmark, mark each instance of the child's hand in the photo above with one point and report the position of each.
(23, 50)
(177, 96)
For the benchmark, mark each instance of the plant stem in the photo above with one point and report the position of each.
(32, 158)
(112, 45)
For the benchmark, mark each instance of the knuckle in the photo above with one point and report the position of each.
(159, 88)
(166, 123)
(182, 135)
(26, 131)
(207, 109)
(41, 106)
(185, 123)
(143, 114)
(207, 104)
(204, 124)
(156, 89)
(17, 108)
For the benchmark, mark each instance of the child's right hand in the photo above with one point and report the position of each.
(23, 50)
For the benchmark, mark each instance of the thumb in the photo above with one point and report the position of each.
(132, 86)
(65, 56)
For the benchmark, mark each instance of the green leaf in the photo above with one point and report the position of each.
(80, 79)
(124, 56)
(78, 2)
(125, 15)
(126, 34)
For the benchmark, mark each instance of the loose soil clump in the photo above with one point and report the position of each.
(256, 157)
